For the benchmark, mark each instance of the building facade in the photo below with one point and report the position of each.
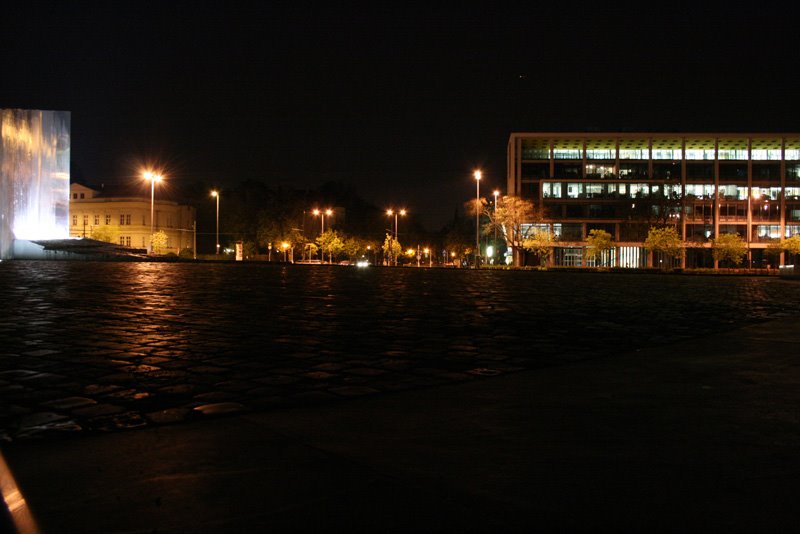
(126, 220)
(705, 185)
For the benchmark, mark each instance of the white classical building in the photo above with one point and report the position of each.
(125, 220)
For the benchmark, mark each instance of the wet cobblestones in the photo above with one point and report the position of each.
(115, 346)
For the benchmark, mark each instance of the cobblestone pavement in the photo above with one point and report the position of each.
(93, 346)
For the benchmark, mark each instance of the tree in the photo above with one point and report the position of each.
(104, 233)
(353, 247)
(600, 242)
(391, 248)
(158, 242)
(331, 243)
(514, 219)
(774, 250)
(309, 250)
(729, 248)
(665, 241)
(540, 242)
(792, 245)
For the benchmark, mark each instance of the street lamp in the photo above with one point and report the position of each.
(216, 195)
(152, 178)
(285, 247)
(322, 214)
(427, 252)
(477, 175)
(496, 194)
(391, 212)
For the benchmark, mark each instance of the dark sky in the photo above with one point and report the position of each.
(401, 102)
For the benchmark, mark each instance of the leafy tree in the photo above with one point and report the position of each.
(391, 248)
(600, 242)
(514, 219)
(664, 240)
(310, 250)
(104, 233)
(729, 248)
(158, 242)
(792, 245)
(331, 244)
(540, 242)
(353, 247)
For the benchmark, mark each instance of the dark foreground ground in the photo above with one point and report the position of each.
(397, 399)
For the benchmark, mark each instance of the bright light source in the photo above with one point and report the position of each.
(402, 212)
(490, 251)
(362, 264)
(478, 175)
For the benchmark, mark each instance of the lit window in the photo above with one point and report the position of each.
(605, 153)
(660, 153)
(638, 153)
(561, 153)
(700, 153)
(770, 154)
(733, 154)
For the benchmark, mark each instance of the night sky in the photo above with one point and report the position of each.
(400, 102)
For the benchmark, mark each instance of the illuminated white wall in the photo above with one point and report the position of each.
(34, 176)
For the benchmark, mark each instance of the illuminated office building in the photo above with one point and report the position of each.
(705, 185)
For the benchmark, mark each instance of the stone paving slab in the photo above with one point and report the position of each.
(136, 340)
(692, 436)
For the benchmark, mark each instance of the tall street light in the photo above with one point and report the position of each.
(215, 194)
(152, 178)
(477, 175)
(391, 212)
(496, 194)
(321, 213)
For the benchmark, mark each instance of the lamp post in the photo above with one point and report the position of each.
(496, 194)
(391, 212)
(152, 178)
(322, 214)
(216, 195)
(477, 175)
(285, 247)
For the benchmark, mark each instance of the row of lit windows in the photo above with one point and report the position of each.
(700, 191)
(575, 231)
(663, 154)
(124, 219)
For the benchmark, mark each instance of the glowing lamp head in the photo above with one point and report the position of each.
(152, 177)
(496, 193)
(214, 194)
(403, 212)
(478, 175)
(284, 245)
(315, 212)
(389, 212)
(328, 212)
